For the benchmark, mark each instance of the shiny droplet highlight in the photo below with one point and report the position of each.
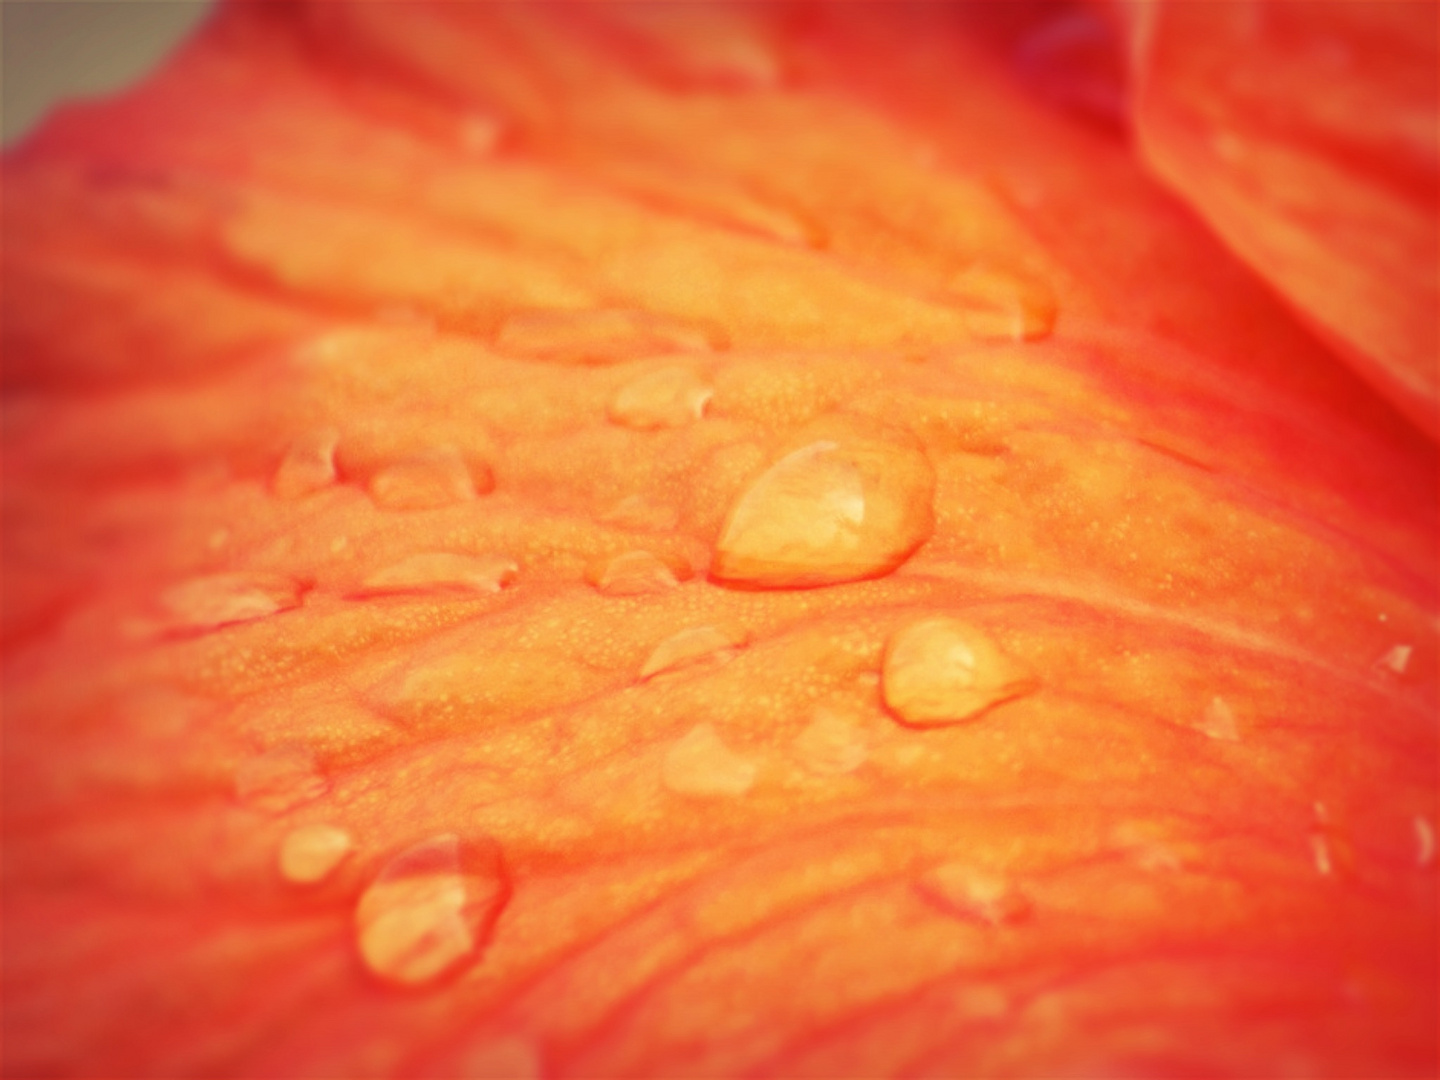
(442, 572)
(1002, 306)
(831, 744)
(430, 910)
(632, 573)
(1424, 842)
(426, 481)
(938, 670)
(667, 398)
(834, 510)
(700, 764)
(1218, 721)
(308, 465)
(975, 895)
(1397, 659)
(311, 853)
(708, 645)
(216, 600)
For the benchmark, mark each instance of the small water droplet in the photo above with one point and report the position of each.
(667, 398)
(1397, 660)
(216, 600)
(429, 910)
(479, 134)
(339, 544)
(831, 744)
(1424, 842)
(632, 573)
(308, 465)
(686, 648)
(597, 336)
(833, 511)
(311, 853)
(218, 539)
(438, 477)
(1219, 721)
(1320, 850)
(279, 780)
(442, 571)
(1001, 306)
(973, 894)
(500, 1059)
(636, 512)
(701, 764)
(939, 670)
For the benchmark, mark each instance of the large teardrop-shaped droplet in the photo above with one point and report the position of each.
(939, 670)
(846, 507)
(430, 909)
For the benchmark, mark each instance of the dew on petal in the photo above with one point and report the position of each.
(667, 398)
(1424, 842)
(1320, 853)
(632, 573)
(689, 647)
(830, 512)
(308, 465)
(430, 909)
(831, 744)
(939, 670)
(973, 894)
(311, 853)
(1002, 306)
(1397, 659)
(700, 764)
(442, 572)
(279, 780)
(216, 600)
(1218, 721)
(438, 477)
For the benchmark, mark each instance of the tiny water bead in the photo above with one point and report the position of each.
(973, 894)
(1218, 721)
(939, 670)
(632, 573)
(1397, 659)
(430, 909)
(438, 571)
(693, 646)
(831, 744)
(1002, 306)
(595, 336)
(308, 465)
(1424, 842)
(425, 481)
(700, 764)
(311, 853)
(279, 780)
(667, 398)
(216, 600)
(835, 510)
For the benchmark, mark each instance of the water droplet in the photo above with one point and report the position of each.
(1397, 659)
(218, 539)
(939, 670)
(976, 895)
(308, 465)
(206, 603)
(701, 764)
(500, 1059)
(1004, 307)
(597, 336)
(1219, 722)
(832, 511)
(636, 512)
(669, 397)
(438, 477)
(686, 648)
(311, 853)
(279, 780)
(1424, 842)
(1320, 850)
(442, 571)
(429, 910)
(633, 573)
(479, 134)
(831, 744)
